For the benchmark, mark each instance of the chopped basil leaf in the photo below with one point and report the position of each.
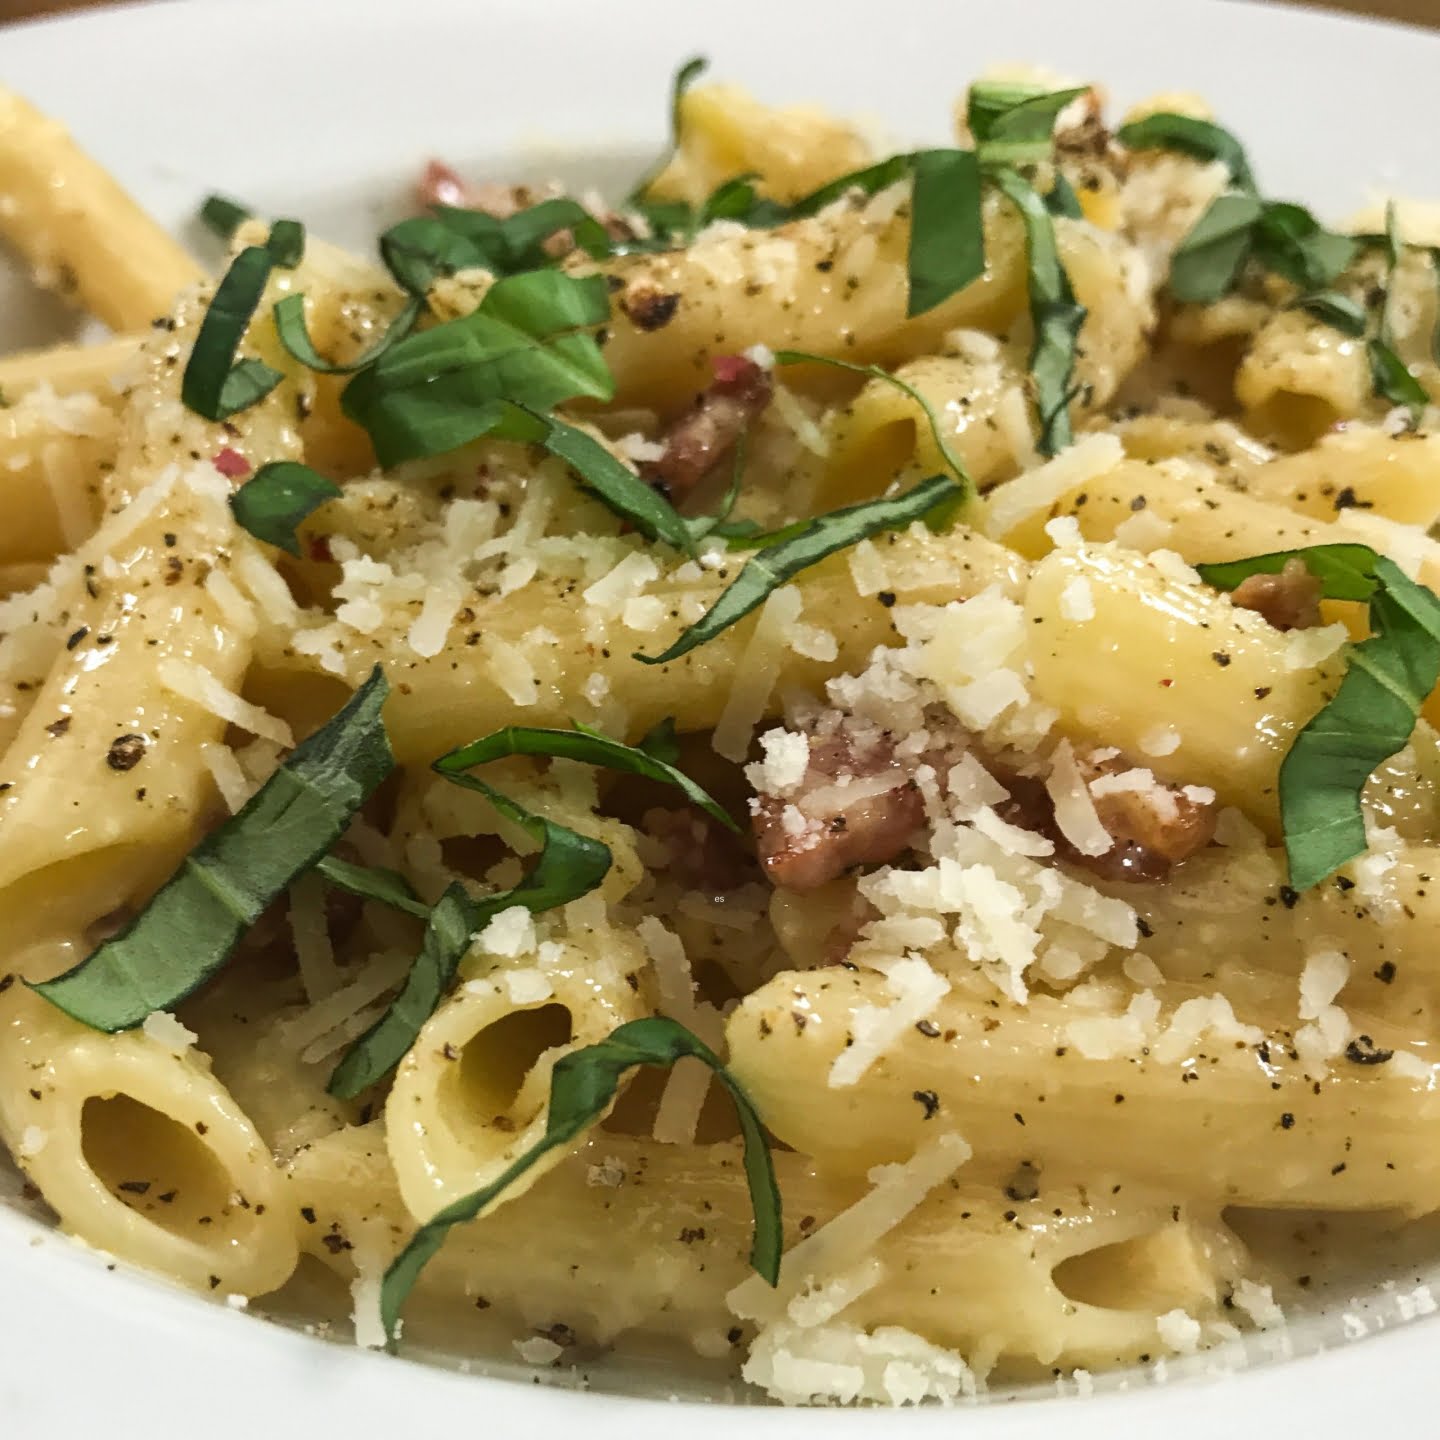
(1371, 715)
(810, 543)
(1389, 374)
(582, 1087)
(617, 486)
(685, 77)
(295, 335)
(570, 865)
(191, 926)
(1061, 199)
(874, 372)
(286, 243)
(448, 931)
(588, 746)
(437, 390)
(1392, 379)
(1201, 138)
(947, 241)
(223, 216)
(388, 887)
(1015, 124)
(215, 384)
(868, 181)
(1207, 263)
(1056, 314)
(1340, 311)
(1291, 243)
(659, 740)
(738, 199)
(419, 251)
(277, 498)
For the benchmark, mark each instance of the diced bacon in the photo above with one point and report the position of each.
(1154, 828)
(440, 185)
(231, 464)
(1153, 831)
(818, 832)
(698, 853)
(701, 438)
(1289, 600)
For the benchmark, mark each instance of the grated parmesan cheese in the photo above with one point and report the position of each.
(874, 1029)
(165, 1030)
(842, 1365)
(198, 685)
(1179, 1331)
(1075, 811)
(510, 933)
(854, 1232)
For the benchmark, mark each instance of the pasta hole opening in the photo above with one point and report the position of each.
(1163, 1270)
(495, 1062)
(304, 699)
(155, 1166)
(1293, 421)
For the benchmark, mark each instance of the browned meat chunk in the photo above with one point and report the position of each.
(819, 832)
(1289, 600)
(1154, 828)
(701, 438)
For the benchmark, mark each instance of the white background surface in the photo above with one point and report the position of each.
(324, 109)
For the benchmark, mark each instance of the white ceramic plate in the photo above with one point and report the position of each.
(323, 108)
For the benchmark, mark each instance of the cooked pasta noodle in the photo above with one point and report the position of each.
(1049, 941)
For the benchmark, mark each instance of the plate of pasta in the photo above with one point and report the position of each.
(716, 757)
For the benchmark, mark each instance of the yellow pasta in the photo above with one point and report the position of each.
(1055, 915)
(82, 235)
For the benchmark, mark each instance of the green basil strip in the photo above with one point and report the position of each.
(277, 498)
(947, 240)
(1208, 261)
(874, 372)
(1056, 314)
(1371, 716)
(1393, 381)
(419, 251)
(449, 928)
(590, 747)
(437, 390)
(1389, 374)
(223, 216)
(286, 243)
(1202, 139)
(812, 542)
(1015, 124)
(188, 930)
(685, 77)
(295, 335)
(1061, 199)
(570, 865)
(868, 181)
(387, 887)
(216, 385)
(659, 741)
(582, 1087)
(1336, 310)
(617, 486)
(1291, 243)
